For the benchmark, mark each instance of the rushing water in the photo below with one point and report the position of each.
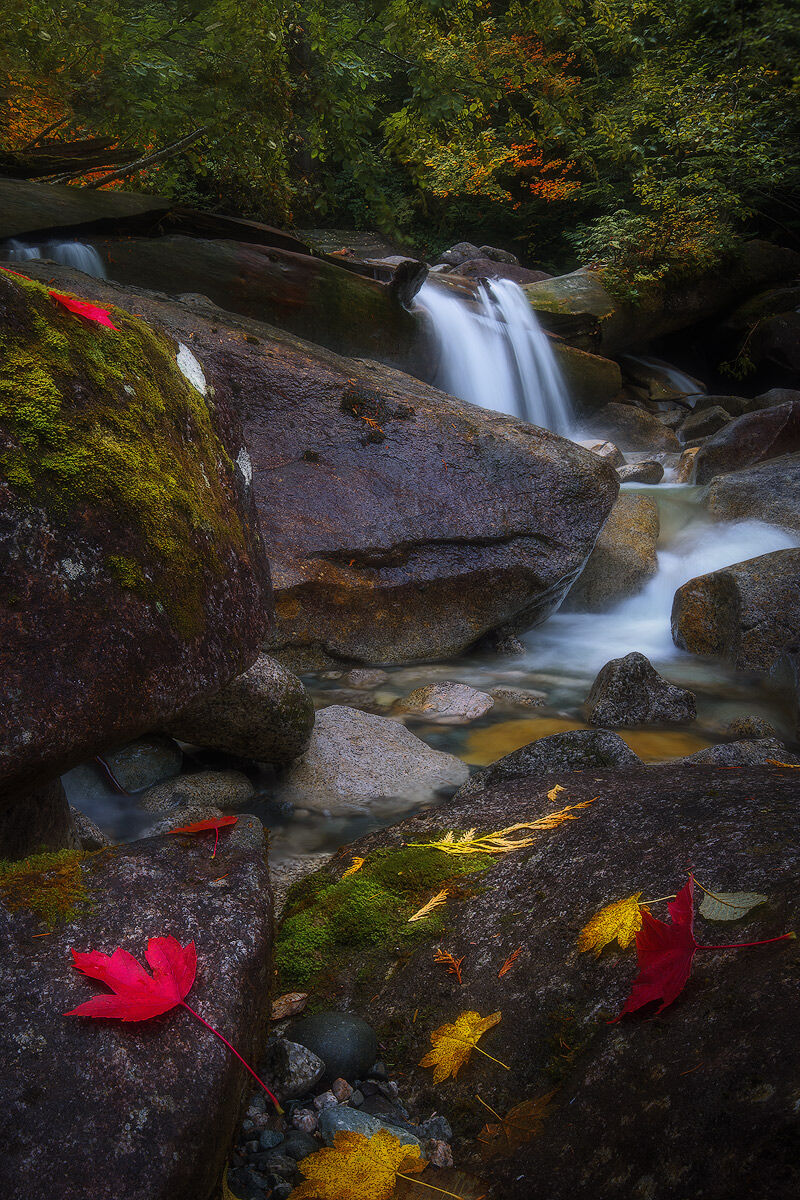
(68, 254)
(494, 353)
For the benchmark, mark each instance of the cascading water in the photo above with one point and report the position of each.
(69, 254)
(493, 353)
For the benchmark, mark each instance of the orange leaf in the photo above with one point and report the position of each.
(453, 964)
(215, 823)
(518, 1126)
(508, 964)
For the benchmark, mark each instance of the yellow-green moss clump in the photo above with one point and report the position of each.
(98, 419)
(50, 885)
(326, 922)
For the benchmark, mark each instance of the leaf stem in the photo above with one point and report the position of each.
(216, 839)
(657, 900)
(233, 1050)
(442, 1191)
(743, 945)
(497, 1060)
(489, 1107)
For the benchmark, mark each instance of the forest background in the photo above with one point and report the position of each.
(647, 134)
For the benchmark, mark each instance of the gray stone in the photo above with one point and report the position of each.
(304, 1120)
(366, 678)
(270, 1138)
(293, 1069)
(299, 1145)
(335, 1120)
(647, 471)
(572, 751)
(519, 697)
(739, 754)
(632, 428)
(767, 492)
(187, 814)
(606, 450)
(445, 703)
(265, 714)
(345, 1043)
(220, 789)
(702, 424)
(623, 558)
(89, 835)
(752, 438)
(460, 253)
(497, 255)
(145, 762)
(355, 758)
(749, 727)
(629, 691)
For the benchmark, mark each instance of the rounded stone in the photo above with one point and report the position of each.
(344, 1042)
(219, 789)
(299, 1145)
(145, 762)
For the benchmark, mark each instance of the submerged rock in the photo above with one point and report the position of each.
(747, 613)
(265, 714)
(355, 759)
(402, 525)
(223, 789)
(134, 573)
(446, 703)
(629, 691)
(623, 559)
(152, 1106)
(145, 762)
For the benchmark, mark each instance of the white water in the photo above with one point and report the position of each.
(497, 357)
(68, 254)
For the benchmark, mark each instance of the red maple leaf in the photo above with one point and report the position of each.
(84, 308)
(137, 995)
(665, 953)
(215, 823)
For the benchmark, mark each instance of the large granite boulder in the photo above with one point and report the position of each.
(750, 439)
(265, 714)
(402, 524)
(629, 691)
(623, 1117)
(591, 381)
(134, 575)
(747, 613)
(632, 428)
(574, 750)
(29, 210)
(143, 1111)
(769, 491)
(624, 556)
(355, 760)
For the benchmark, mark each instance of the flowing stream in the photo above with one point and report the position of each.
(68, 254)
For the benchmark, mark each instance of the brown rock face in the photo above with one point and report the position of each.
(142, 1111)
(36, 821)
(402, 524)
(624, 557)
(747, 613)
(750, 439)
(625, 1118)
(767, 492)
(134, 576)
(632, 428)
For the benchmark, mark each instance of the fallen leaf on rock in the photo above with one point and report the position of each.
(501, 841)
(83, 308)
(137, 995)
(453, 964)
(459, 1183)
(665, 953)
(553, 793)
(288, 1005)
(729, 906)
(773, 762)
(215, 823)
(621, 920)
(357, 1167)
(428, 908)
(355, 865)
(508, 964)
(519, 1125)
(452, 1045)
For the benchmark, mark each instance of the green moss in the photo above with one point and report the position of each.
(364, 917)
(52, 885)
(101, 419)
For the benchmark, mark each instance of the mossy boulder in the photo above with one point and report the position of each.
(624, 1118)
(134, 574)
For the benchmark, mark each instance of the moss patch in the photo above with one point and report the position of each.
(95, 420)
(51, 885)
(329, 925)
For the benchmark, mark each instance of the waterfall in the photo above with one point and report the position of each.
(70, 254)
(494, 353)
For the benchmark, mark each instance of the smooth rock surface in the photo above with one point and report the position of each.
(576, 750)
(623, 559)
(767, 492)
(629, 691)
(647, 471)
(702, 424)
(223, 789)
(92, 1108)
(632, 428)
(445, 703)
(292, 1069)
(747, 613)
(750, 439)
(346, 1044)
(355, 759)
(146, 761)
(265, 714)
(745, 753)
(332, 1120)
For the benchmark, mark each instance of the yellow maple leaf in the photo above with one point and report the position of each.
(357, 1167)
(518, 1126)
(428, 908)
(551, 795)
(453, 1044)
(621, 920)
(355, 865)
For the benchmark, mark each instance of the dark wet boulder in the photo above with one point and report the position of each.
(37, 820)
(769, 491)
(623, 559)
(575, 750)
(265, 714)
(629, 691)
(401, 524)
(345, 1044)
(624, 1117)
(632, 428)
(702, 424)
(134, 575)
(646, 471)
(590, 380)
(747, 613)
(145, 762)
(152, 1106)
(486, 268)
(28, 210)
(745, 753)
(750, 439)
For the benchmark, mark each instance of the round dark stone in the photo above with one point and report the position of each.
(299, 1145)
(345, 1043)
(269, 1139)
